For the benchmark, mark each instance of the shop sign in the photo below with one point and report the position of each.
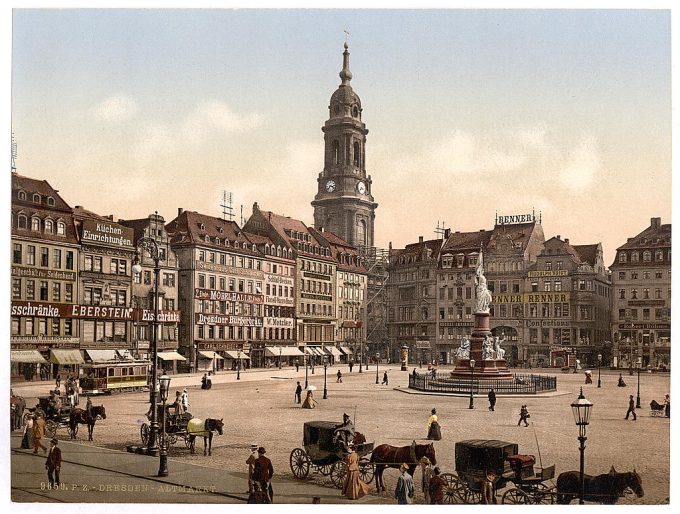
(106, 233)
(43, 343)
(555, 323)
(317, 276)
(423, 345)
(506, 298)
(276, 300)
(271, 322)
(278, 279)
(548, 273)
(20, 271)
(163, 316)
(456, 323)
(219, 319)
(231, 270)
(514, 219)
(227, 296)
(642, 303)
(217, 347)
(74, 311)
(312, 296)
(546, 297)
(644, 326)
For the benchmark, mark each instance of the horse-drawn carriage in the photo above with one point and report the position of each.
(323, 453)
(175, 427)
(477, 457)
(55, 420)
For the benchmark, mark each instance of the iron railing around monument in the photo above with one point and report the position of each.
(440, 382)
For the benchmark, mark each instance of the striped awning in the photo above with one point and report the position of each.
(318, 351)
(333, 351)
(346, 350)
(232, 354)
(284, 351)
(66, 357)
(27, 357)
(209, 355)
(171, 356)
(102, 355)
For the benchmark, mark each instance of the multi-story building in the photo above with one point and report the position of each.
(220, 289)
(567, 303)
(144, 294)
(45, 252)
(412, 300)
(314, 277)
(641, 298)
(105, 283)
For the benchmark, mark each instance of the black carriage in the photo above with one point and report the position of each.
(175, 427)
(322, 453)
(476, 457)
(54, 420)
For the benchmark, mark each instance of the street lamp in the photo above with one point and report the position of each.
(150, 245)
(361, 355)
(472, 382)
(581, 410)
(377, 357)
(163, 465)
(238, 365)
(280, 354)
(639, 367)
(325, 366)
(305, 357)
(599, 364)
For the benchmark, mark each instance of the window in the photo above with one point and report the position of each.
(622, 275)
(659, 255)
(36, 198)
(56, 258)
(622, 294)
(68, 293)
(16, 288)
(44, 291)
(49, 226)
(558, 285)
(69, 260)
(558, 265)
(658, 274)
(546, 285)
(147, 278)
(30, 257)
(35, 224)
(201, 280)
(622, 257)
(30, 289)
(169, 280)
(16, 258)
(61, 228)
(548, 265)
(633, 294)
(44, 257)
(97, 264)
(201, 255)
(56, 291)
(647, 256)
(634, 257)
(22, 221)
(22, 195)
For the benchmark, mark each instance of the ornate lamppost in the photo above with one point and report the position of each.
(361, 355)
(238, 365)
(639, 367)
(472, 384)
(151, 246)
(599, 365)
(305, 357)
(325, 367)
(280, 354)
(581, 410)
(163, 465)
(377, 357)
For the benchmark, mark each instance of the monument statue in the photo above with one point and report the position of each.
(487, 348)
(500, 352)
(463, 352)
(481, 292)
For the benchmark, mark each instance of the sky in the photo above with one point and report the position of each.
(470, 113)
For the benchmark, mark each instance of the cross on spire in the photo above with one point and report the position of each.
(346, 35)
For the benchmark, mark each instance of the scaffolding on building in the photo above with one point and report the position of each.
(376, 261)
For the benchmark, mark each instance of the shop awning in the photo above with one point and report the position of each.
(102, 355)
(309, 351)
(66, 357)
(171, 356)
(318, 351)
(333, 351)
(233, 354)
(285, 351)
(346, 350)
(27, 356)
(209, 355)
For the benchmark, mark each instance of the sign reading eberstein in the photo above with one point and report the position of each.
(67, 310)
(106, 233)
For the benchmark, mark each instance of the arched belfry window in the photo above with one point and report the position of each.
(357, 154)
(361, 233)
(335, 151)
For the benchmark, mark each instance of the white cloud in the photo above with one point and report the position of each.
(582, 166)
(115, 109)
(216, 117)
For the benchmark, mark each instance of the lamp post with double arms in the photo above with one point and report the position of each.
(163, 464)
(325, 367)
(472, 384)
(599, 365)
(581, 410)
(151, 246)
(377, 359)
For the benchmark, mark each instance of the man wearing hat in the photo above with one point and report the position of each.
(263, 472)
(344, 432)
(488, 494)
(185, 400)
(53, 464)
(251, 466)
(405, 489)
(426, 467)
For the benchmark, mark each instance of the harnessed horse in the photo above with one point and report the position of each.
(388, 456)
(81, 416)
(198, 427)
(605, 489)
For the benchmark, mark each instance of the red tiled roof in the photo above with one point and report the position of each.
(587, 253)
(42, 187)
(284, 225)
(460, 241)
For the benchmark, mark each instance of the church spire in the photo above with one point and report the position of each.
(345, 74)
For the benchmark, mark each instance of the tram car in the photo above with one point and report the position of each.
(113, 376)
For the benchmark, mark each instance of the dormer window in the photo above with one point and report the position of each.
(201, 226)
(35, 224)
(207, 238)
(22, 195)
(49, 226)
(622, 257)
(61, 228)
(221, 229)
(217, 240)
(36, 198)
(50, 201)
(236, 245)
(22, 221)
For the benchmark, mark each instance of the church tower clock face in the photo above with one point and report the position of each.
(330, 186)
(361, 187)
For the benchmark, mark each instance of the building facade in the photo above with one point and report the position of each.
(344, 203)
(641, 298)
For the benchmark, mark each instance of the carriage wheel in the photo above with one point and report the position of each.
(144, 433)
(366, 471)
(455, 490)
(73, 433)
(187, 441)
(51, 428)
(299, 463)
(542, 494)
(338, 474)
(473, 497)
(515, 497)
(172, 438)
(325, 470)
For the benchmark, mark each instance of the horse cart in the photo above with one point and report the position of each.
(175, 427)
(477, 457)
(56, 420)
(326, 456)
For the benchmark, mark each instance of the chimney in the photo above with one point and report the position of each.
(566, 240)
(420, 239)
(78, 206)
(447, 233)
(559, 237)
(656, 222)
(179, 211)
(255, 207)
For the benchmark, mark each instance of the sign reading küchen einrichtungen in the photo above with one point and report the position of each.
(106, 233)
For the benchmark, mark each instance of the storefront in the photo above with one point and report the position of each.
(279, 356)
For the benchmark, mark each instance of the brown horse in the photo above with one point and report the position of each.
(605, 489)
(196, 427)
(80, 417)
(387, 456)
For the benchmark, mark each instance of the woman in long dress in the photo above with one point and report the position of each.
(434, 431)
(310, 402)
(353, 488)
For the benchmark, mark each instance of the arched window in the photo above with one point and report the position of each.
(22, 195)
(36, 198)
(647, 256)
(622, 257)
(22, 221)
(659, 255)
(217, 240)
(50, 201)
(634, 257)
(335, 151)
(357, 154)
(207, 238)
(49, 226)
(361, 236)
(35, 224)
(61, 228)
(355, 111)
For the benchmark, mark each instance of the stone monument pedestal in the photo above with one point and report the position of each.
(484, 368)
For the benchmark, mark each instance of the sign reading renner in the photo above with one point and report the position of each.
(106, 233)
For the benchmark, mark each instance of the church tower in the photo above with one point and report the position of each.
(343, 203)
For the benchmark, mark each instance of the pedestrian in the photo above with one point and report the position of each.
(339, 376)
(27, 438)
(298, 393)
(631, 408)
(437, 485)
(492, 399)
(53, 463)
(185, 400)
(621, 382)
(257, 495)
(427, 472)
(38, 433)
(57, 382)
(353, 488)
(589, 377)
(251, 466)
(351, 365)
(488, 488)
(177, 404)
(523, 415)
(385, 380)
(405, 488)
(310, 402)
(297, 366)
(263, 473)
(667, 405)
(316, 500)
(434, 431)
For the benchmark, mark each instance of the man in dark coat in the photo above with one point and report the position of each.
(437, 486)
(492, 399)
(298, 393)
(263, 473)
(53, 463)
(631, 408)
